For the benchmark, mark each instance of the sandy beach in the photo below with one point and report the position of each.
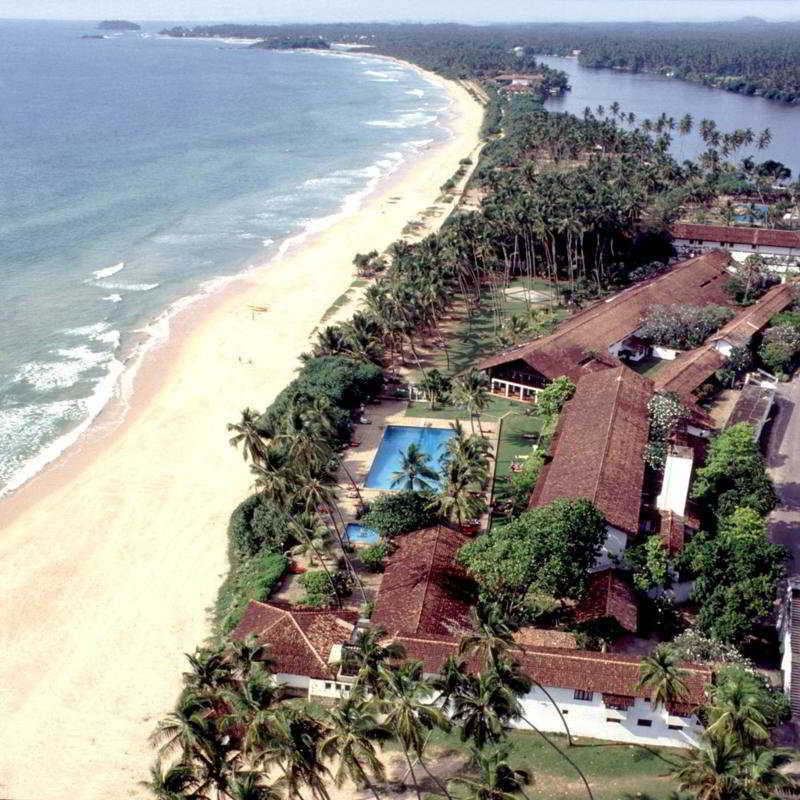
(113, 555)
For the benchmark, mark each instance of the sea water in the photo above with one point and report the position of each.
(138, 172)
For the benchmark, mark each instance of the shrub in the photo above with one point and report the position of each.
(400, 512)
(752, 279)
(551, 399)
(373, 557)
(522, 483)
(252, 579)
(319, 591)
(257, 525)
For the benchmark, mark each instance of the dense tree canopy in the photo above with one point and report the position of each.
(549, 549)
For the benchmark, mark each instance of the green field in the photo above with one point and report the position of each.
(614, 771)
(498, 406)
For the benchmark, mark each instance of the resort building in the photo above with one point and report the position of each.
(610, 594)
(763, 241)
(605, 334)
(685, 375)
(596, 693)
(598, 453)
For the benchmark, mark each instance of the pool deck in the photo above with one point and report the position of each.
(358, 460)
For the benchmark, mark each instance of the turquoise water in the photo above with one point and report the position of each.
(395, 442)
(360, 534)
(139, 172)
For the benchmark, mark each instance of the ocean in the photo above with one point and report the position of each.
(139, 173)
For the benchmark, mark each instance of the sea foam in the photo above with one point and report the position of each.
(109, 271)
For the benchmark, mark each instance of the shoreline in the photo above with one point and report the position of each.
(114, 551)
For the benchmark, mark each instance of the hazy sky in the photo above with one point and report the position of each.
(368, 10)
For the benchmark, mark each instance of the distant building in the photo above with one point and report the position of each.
(743, 240)
(597, 338)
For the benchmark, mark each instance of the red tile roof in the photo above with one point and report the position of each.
(300, 640)
(673, 531)
(568, 351)
(751, 320)
(599, 449)
(424, 589)
(689, 371)
(721, 233)
(610, 594)
(610, 673)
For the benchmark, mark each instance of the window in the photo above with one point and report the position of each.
(580, 694)
(565, 711)
(327, 686)
(675, 727)
(613, 719)
(644, 723)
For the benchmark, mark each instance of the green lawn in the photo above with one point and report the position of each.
(614, 771)
(498, 406)
(513, 442)
(647, 366)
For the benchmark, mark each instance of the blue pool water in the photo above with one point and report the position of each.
(395, 442)
(359, 533)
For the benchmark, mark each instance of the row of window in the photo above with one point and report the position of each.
(340, 687)
(581, 694)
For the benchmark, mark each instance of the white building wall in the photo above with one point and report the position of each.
(737, 248)
(591, 718)
(330, 688)
(613, 548)
(293, 681)
(665, 353)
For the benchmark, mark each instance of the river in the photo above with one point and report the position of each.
(650, 95)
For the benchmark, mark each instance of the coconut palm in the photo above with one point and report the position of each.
(368, 655)
(734, 713)
(289, 741)
(762, 775)
(247, 435)
(251, 786)
(435, 387)
(490, 636)
(661, 675)
(711, 772)
(313, 537)
(483, 707)
(449, 680)
(210, 669)
(273, 478)
(353, 731)
(458, 500)
(493, 779)
(410, 717)
(414, 473)
(176, 782)
(471, 392)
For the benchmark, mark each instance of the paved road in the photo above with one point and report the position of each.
(783, 460)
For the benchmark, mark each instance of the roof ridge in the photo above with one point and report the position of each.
(428, 574)
(307, 640)
(614, 411)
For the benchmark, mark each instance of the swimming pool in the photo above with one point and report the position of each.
(395, 442)
(358, 534)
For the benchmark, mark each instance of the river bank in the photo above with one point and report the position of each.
(114, 553)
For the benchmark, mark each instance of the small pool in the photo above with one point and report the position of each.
(395, 442)
(359, 534)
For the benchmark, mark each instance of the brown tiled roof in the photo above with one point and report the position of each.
(300, 640)
(599, 449)
(610, 594)
(424, 589)
(751, 320)
(590, 671)
(689, 371)
(722, 233)
(568, 351)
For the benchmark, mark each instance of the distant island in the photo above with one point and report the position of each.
(118, 25)
(259, 32)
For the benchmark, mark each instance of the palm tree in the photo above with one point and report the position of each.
(734, 713)
(762, 772)
(471, 392)
(313, 537)
(250, 786)
(414, 473)
(490, 637)
(458, 500)
(247, 434)
(711, 772)
(449, 680)
(210, 669)
(660, 673)
(352, 734)
(483, 706)
(290, 742)
(435, 387)
(409, 716)
(273, 478)
(176, 782)
(368, 655)
(495, 778)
